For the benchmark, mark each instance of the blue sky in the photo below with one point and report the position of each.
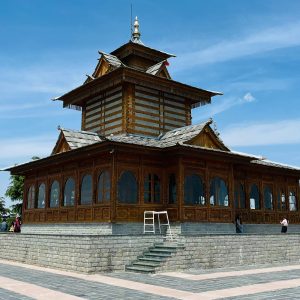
(249, 50)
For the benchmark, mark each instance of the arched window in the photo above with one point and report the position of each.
(172, 189)
(69, 192)
(281, 203)
(86, 194)
(193, 190)
(239, 196)
(41, 196)
(268, 198)
(292, 201)
(254, 197)
(218, 192)
(127, 188)
(104, 187)
(151, 188)
(54, 194)
(31, 197)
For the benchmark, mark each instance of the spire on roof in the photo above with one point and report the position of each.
(136, 32)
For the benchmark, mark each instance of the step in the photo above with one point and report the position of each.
(169, 248)
(153, 254)
(146, 263)
(154, 259)
(140, 269)
(161, 250)
(173, 245)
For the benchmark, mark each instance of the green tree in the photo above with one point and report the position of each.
(3, 209)
(15, 192)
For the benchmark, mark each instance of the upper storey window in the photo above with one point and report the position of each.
(193, 190)
(86, 194)
(31, 197)
(292, 201)
(239, 195)
(151, 188)
(127, 188)
(268, 198)
(104, 187)
(41, 196)
(54, 194)
(254, 197)
(69, 192)
(218, 192)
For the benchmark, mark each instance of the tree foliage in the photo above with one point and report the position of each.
(3, 209)
(15, 189)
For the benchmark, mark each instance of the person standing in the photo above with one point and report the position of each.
(285, 225)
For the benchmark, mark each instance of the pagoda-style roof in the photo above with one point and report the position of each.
(81, 94)
(132, 48)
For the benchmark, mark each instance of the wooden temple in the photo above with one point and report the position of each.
(138, 150)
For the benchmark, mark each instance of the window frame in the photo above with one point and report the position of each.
(217, 201)
(250, 185)
(104, 189)
(201, 194)
(64, 190)
(135, 177)
(59, 193)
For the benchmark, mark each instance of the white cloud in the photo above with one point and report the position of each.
(273, 133)
(287, 35)
(20, 149)
(248, 97)
(219, 106)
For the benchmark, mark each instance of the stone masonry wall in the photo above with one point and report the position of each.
(87, 254)
(214, 251)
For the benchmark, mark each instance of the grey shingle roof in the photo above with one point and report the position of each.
(269, 163)
(111, 59)
(78, 139)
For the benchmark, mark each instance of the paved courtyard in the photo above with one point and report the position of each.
(20, 281)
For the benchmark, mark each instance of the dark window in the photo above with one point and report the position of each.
(104, 187)
(69, 192)
(218, 192)
(239, 196)
(254, 197)
(172, 189)
(193, 190)
(54, 194)
(281, 203)
(86, 194)
(127, 188)
(151, 188)
(292, 201)
(41, 196)
(31, 197)
(268, 198)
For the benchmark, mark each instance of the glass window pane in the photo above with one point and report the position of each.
(69, 192)
(292, 201)
(86, 194)
(104, 187)
(218, 192)
(268, 198)
(41, 196)
(193, 190)
(127, 188)
(54, 194)
(254, 197)
(31, 197)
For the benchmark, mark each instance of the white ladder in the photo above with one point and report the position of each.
(149, 221)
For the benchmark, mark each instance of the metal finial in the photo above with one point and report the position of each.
(136, 32)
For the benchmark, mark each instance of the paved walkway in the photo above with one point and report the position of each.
(20, 281)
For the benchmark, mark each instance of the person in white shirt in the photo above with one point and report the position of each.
(284, 224)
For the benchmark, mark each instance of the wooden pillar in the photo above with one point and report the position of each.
(231, 192)
(180, 190)
(114, 185)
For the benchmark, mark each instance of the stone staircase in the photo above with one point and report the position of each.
(154, 257)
